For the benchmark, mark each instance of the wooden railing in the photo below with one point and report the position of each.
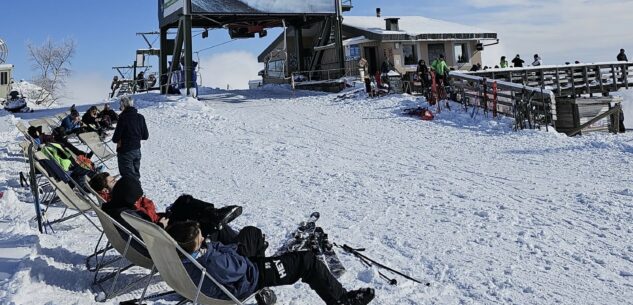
(568, 80)
(530, 106)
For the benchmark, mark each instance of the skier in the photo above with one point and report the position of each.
(246, 270)
(517, 61)
(537, 61)
(622, 56)
(503, 63)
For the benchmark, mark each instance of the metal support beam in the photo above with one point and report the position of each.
(163, 77)
(338, 32)
(299, 47)
(175, 57)
(188, 47)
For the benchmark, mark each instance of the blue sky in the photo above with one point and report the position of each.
(559, 30)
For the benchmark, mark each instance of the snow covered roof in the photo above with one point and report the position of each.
(415, 27)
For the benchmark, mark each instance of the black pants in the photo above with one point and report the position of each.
(291, 267)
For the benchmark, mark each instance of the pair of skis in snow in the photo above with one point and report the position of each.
(439, 92)
(309, 237)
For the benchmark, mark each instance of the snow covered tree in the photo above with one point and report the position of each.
(51, 63)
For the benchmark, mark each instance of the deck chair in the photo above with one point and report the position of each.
(164, 252)
(120, 239)
(66, 196)
(24, 130)
(62, 115)
(46, 126)
(101, 150)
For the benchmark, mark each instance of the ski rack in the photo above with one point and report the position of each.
(536, 105)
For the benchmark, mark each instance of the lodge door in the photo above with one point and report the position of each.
(435, 50)
(372, 62)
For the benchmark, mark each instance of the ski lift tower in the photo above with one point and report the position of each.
(6, 71)
(241, 19)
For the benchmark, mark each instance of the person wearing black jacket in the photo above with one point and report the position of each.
(622, 56)
(129, 132)
(518, 62)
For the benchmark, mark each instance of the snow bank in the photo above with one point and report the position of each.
(627, 106)
(488, 215)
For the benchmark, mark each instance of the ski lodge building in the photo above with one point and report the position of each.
(403, 41)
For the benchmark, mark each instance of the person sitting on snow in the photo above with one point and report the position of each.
(243, 269)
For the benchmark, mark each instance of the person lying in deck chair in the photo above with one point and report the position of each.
(103, 183)
(243, 269)
(58, 136)
(127, 196)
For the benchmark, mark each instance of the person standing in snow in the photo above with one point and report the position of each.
(441, 69)
(622, 56)
(517, 61)
(503, 63)
(537, 61)
(423, 74)
(129, 132)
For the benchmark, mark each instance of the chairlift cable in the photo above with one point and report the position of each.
(217, 45)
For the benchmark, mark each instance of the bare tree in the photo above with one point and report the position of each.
(51, 62)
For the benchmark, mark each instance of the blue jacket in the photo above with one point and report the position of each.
(235, 272)
(130, 130)
(69, 125)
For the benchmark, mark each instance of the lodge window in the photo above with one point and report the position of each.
(461, 53)
(354, 52)
(410, 57)
(275, 68)
(4, 78)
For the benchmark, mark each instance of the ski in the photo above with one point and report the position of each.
(325, 252)
(298, 238)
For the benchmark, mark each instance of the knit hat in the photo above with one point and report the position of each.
(126, 192)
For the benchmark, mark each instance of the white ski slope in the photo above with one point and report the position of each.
(488, 215)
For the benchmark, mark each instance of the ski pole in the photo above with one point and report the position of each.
(357, 253)
(388, 279)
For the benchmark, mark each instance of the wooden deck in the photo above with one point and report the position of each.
(569, 80)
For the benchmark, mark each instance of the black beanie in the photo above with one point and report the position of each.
(126, 192)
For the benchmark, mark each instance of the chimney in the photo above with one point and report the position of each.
(378, 12)
(391, 24)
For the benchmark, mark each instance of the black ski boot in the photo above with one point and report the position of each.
(226, 214)
(266, 296)
(358, 297)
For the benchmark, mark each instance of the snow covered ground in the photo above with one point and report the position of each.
(488, 215)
